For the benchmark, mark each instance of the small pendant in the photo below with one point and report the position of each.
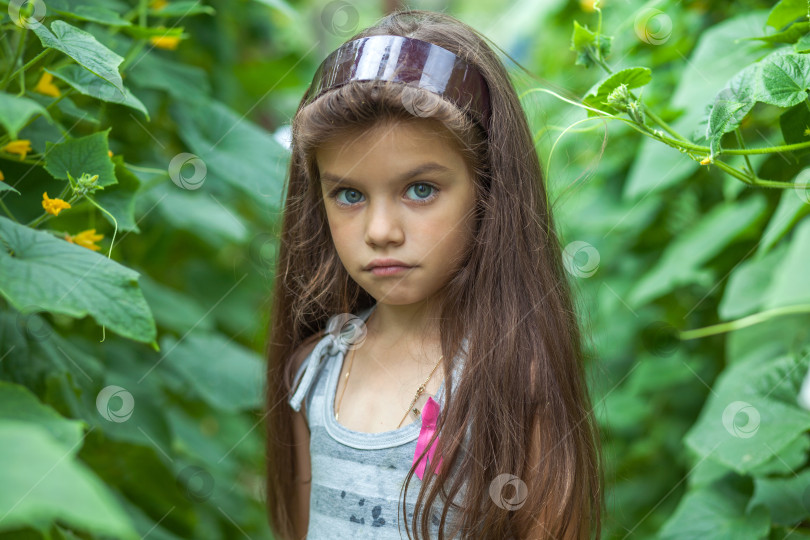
(415, 411)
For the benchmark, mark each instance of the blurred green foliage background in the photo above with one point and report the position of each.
(131, 364)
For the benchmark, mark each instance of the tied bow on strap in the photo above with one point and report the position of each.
(430, 414)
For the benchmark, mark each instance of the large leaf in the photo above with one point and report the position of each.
(683, 258)
(88, 154)
(19, 404)
(788, 499)
(748, 285)
(751, 414)
(715, 511)
(793, 205)
(222, 373)
(15, 112)
(89, 84)
(38, 269)
(82, 47)
(786, 12)
(43, 482)
(787, 289)
(228, 143)
(784, 79)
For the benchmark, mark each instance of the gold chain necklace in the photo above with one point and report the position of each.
(419, 391)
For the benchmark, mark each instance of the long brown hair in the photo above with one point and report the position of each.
(523, 376)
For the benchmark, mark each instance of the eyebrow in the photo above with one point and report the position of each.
(328, 178)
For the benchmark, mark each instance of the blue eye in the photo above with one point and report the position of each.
(424, 193)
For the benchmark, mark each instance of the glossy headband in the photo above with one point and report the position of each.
(406, 60)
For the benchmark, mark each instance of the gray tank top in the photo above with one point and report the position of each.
(357, 476)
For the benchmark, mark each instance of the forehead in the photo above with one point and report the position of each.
(389, 149)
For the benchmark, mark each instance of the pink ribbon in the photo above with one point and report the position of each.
(430, 413)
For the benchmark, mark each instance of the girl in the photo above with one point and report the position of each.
(423, 342)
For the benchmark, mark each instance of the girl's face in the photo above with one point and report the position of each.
(401, 191)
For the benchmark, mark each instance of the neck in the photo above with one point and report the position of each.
(410, 327)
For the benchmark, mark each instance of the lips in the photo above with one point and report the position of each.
(384, 263)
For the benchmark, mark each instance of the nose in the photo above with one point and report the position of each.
(383, 224)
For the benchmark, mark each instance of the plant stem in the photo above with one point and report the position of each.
(7, 211)
(740, 141)
(750, 320)
(32, 62)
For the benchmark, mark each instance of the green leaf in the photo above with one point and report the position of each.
(95, 13)
(791, 208)
(633, 77)
(5, 187)
(222, 373)
(748, 284)
(181, 81)
(731, 105)
(793, 33)
(19, 404)
(684, 256)
(787, 287)
(88, 154)
(715, 511)
(745, 420)
(784, 79)
(197, 212)
(60, 277)
(803, 45)
(82, 47)
(791, 458)
(795, 124)
(228, 142)
(42, 482)
(786, 12)
(15, 112)
(788, 499)
(182, 8)
(583, 41)
(88, 84)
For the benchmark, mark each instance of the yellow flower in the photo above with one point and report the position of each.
(109, 153)
(2, 178)
(165, 42)
(53, 206)
(706, 160)
(20, 146)
(46, 86)
(158, 4)
(587, 5)
(86, 239)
